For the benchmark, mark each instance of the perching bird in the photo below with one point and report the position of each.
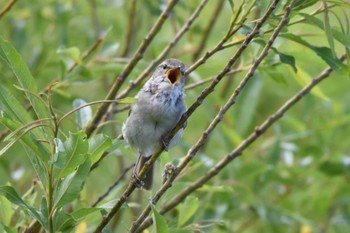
(158, 109)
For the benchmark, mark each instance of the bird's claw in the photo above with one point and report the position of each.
(164, 143)
(138, 183)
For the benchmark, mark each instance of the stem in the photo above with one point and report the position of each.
(7, 8)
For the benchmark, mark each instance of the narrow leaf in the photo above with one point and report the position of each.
(12, 107)
(80, 214)
(328, 28)
(28, 139)
(159, 221)
(72, 53)
(187, 209)
(98, 144)
(69, 189)
(13, 59)
(6, 211)
(303, 79)
(11, 195)
(74, 154)
(324, 52)
(342, 38)
(84, 115)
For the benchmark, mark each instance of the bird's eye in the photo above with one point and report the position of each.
(164, 67)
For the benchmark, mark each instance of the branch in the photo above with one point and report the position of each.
(113, 185)
(165, 51)
(131, 187)
(92, 48)
(7, 8)
(259, 130)
(232, 100)
(131, 28)
(118, 81)
(208, 29)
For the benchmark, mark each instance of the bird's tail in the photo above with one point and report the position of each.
(148, 180)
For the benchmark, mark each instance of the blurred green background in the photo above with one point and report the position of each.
(295, 178)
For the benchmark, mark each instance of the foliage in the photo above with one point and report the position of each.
(243, 167)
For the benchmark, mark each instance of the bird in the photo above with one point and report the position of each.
(158, 108)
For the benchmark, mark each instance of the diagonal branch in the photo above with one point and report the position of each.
(7, 8)
(208, 28)
(165, 51)
(201, 141)
(131, 187)
(118, 81)
(259, 130)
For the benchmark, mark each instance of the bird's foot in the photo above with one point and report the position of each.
(164, 143)
(138, 183)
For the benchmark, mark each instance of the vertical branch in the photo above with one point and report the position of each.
(130, 34)
(208, 29)
(94, 18)
(232, 100)
(118, 81)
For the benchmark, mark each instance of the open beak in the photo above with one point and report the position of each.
(173, 76)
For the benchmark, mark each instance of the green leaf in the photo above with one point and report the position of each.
(248, 105)
(74, 153)
(342, 38)
(72, 53)
(301, 4)
(13, 59)
(11, 195)
(304, 79)
(44, 211)
(284, 58)
(12, 107)
(38, 165)
(287, 59)
(324, 52)
(328, 28)
(187, 209)
(69, 188)
(28, 139)
(159, 221)
(97, 145)
(80, 214)
(232, 5)
(84, 115)
(63, 222)
(6, 211)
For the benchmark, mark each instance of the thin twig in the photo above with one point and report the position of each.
(219, 45)
(208, 29)
(7, 8)
(232, 100)
(103, 196)
(83, 58)
(210, 79)
(259, 130)
(165, 51)
(119, 80)
(130, 34)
